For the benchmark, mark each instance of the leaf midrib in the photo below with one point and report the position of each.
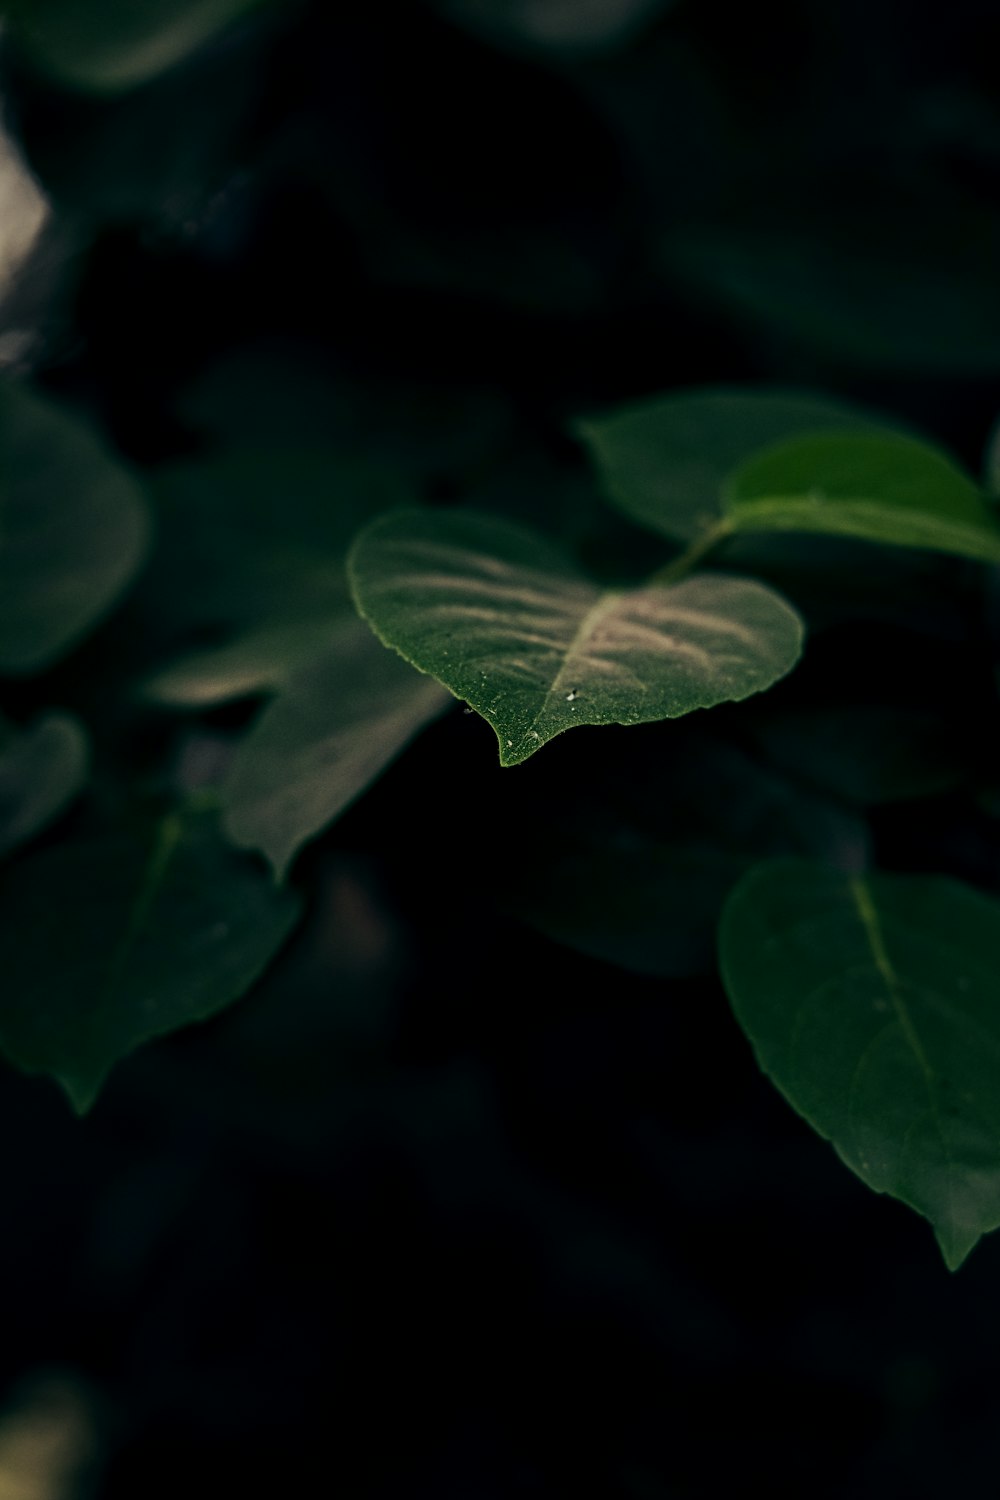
(602, 606)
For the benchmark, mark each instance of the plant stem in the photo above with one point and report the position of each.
(699, 549)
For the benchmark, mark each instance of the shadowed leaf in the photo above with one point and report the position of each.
(42, 769)
(871, 1004)
(109, 942)
(73, 531)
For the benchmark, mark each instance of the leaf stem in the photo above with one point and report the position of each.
(711, 538)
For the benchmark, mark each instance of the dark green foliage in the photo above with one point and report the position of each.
(112, 940)
(871, 1003)
(383, 386)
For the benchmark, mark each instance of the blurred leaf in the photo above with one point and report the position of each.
(24, 212)
(261, 661)
(902, 285)
(636, 868)
(73, 531)
(865, 753)
(879, 487)
(664, 461)
(336, 725)
(871, 1004)
(506, 622)
(259, 536)
(42, 769)
(109, 942)
(107, 46)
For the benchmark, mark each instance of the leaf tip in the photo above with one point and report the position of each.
(81, 1092)
(956, 1246)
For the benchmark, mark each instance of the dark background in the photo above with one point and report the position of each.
(446, 1208)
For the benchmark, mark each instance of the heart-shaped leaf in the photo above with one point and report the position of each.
(506, 622)
(872, 1004)
(333, 729)
(109, 942)
(41, 770)
(73, 531)
(664, 461)
(882, 487)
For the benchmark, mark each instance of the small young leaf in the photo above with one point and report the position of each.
(41, 770)
(882, 487)
(506, 622)
(664, 461)
(73, 531)
(333, 729)
(110, 942)
(871, 1004)
(107, 46)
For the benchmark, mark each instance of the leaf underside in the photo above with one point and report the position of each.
(334, 727)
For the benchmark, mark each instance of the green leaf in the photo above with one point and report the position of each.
(333, 729)
(506, 622)
(73, 531)
(108, 46)
(872, 1005)
(876, 486)
(41, 771)
(109, 942)
(664, 461)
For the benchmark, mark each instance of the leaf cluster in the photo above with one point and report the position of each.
(208, 661)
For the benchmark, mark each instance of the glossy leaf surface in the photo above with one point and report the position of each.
(872, 1004)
